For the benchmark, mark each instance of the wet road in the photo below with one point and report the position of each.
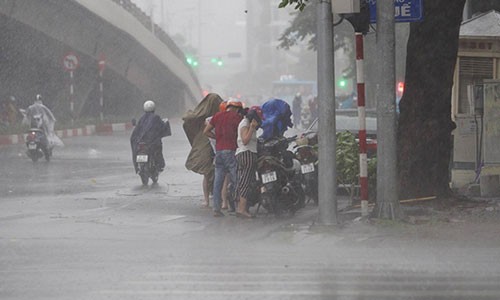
(83, 227)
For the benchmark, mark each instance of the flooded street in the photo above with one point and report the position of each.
(83, 227)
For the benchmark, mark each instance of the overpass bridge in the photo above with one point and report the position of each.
(140, 63)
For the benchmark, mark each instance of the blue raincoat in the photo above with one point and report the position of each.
(277, 116)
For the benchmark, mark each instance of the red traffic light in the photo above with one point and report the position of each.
(401, 87)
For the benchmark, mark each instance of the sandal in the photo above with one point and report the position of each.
(244, 215)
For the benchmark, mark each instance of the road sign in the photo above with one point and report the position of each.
(405, 10)
(70, 62)
(101, 63)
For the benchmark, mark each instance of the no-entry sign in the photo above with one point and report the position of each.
(102, 62)
(70, 62)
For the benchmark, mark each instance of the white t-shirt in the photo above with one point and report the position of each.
(252, 144)
(212, 141)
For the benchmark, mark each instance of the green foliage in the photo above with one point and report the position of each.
(372, 178)
(347, 156)
(303, 27)
(299, 4)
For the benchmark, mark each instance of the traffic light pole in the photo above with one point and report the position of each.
(363, 159)
(327, 185)
(361, 23)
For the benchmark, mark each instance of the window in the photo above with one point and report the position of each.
(472, 71)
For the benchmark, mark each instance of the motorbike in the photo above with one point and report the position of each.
(36, 141)
(145, 157)
(146, 163)
(307, 154)
(278, 171)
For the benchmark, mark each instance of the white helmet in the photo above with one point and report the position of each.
(149, 106)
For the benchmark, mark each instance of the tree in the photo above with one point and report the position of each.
(425, 124)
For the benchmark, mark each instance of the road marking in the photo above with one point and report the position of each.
(389, 294)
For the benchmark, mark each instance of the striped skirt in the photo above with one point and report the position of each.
(247, 166)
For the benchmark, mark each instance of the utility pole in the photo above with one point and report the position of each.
(327, 185)
(387, 178)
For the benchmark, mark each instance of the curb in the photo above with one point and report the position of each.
(104, 129)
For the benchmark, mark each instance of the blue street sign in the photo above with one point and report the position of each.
(405, 10)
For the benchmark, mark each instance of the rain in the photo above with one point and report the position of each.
(87, 210)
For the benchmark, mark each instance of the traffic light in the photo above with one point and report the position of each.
(217, 61)
(192, 61)
(401, 87)
(342, 83)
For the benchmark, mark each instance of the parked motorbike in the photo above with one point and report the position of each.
(279, 177)
(37, 144)
(307, 154)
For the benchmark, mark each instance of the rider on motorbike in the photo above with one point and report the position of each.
(150, 129)
(40, 116)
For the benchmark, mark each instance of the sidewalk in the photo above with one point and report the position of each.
(101, 129)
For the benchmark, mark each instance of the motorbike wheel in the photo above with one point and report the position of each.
(47, 156)
(154, 178)
(266, 201)
(34, 157)
(277, 208)
(144, 178)
(314, 195)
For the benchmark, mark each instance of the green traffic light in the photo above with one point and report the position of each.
(192, 61)
(342, 83)
(217, 61)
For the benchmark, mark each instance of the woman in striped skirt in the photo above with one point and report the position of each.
(246, 156)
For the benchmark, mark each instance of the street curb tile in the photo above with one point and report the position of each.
(65, 133)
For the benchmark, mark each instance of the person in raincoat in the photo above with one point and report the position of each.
(200, 158)
(150, 129)
(277, 116)
(40, 116)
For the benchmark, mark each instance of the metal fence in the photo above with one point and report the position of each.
(146, 21)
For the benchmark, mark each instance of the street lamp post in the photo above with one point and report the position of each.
(327, 185)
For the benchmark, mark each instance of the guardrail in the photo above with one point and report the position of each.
(146, 21)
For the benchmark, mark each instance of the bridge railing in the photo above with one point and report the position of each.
(146, 21)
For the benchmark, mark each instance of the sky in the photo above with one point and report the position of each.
(214, 27)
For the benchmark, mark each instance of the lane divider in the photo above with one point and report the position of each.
(101, 129)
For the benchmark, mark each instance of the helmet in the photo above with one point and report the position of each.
(38, 98)
(233, 103)
(258, 111)
(149, 106)
(255, 113)
(223, 106)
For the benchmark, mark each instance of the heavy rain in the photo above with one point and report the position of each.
(154, 149)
